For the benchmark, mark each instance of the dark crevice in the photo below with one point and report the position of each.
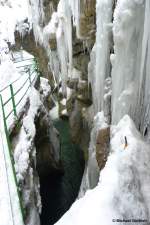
(60, 189)
(51, 194)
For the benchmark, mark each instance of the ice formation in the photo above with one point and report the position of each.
(24, 150)
(119, 75)
(123, 189)
(60, 28)
(128, 37)
(64, 41)
(123, 61)
(12, 13)
(122, 53)
(91, 173)
(75, 7)
(119, 58)
(103, 46)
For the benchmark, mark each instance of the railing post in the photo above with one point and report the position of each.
(30, 77)
(13, 100)
(4, 117)
(6, 132)
(11, 156)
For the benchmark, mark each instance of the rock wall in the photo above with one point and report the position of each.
(45, 48)
(36, 152)
(95, 59)
(43, 43)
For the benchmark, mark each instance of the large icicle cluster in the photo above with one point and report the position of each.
(121, 52)
(144, 80)
(128, 36)
(103, 46)
(91, 173)
(60, 28)
(64, 41)
(75, 8)
(130, 72)
(12, 16)
(120, 57)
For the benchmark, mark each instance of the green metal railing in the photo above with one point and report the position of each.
(31, 77)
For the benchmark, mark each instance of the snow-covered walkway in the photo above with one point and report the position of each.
(10, 212)
(10, 209)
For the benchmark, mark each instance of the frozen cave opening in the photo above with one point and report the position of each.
(60, 188)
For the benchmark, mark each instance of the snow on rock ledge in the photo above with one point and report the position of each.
(24, 155)
(123, 189)
(13, 15)
(91, 173)
(36, 150)
(26, 135)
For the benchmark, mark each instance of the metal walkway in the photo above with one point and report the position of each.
(12, 99)
(9, 200)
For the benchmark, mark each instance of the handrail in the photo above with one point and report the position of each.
(22, 96)
(15, 104)
(7, 86)
(21, 87)
(13, 93)
(9, 114)
(11, 158)
(24, 65)
(8, 186)
(5, 103)
(23, 60)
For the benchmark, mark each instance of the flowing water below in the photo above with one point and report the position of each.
(58, 192)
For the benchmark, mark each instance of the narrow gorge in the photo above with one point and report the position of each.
(81, 140)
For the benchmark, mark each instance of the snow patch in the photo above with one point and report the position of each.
(27, 134)
(123, 188)
(91, 173)
(45, 86)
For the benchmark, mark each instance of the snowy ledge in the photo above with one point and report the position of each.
(123, 188)
(28, 131)
(26, 137)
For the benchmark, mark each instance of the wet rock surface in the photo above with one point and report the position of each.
(47, 145)
(59, 191)
(102, 146)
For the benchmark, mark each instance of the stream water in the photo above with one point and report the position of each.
(58, 192)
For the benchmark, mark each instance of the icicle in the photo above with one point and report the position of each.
(92, 73)
(37, 17)
(128, 35)
(104, 17)
(64, 41)
(144, 79)
(11, 14)
(99, 66)
(61, 48)
(76, 12)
